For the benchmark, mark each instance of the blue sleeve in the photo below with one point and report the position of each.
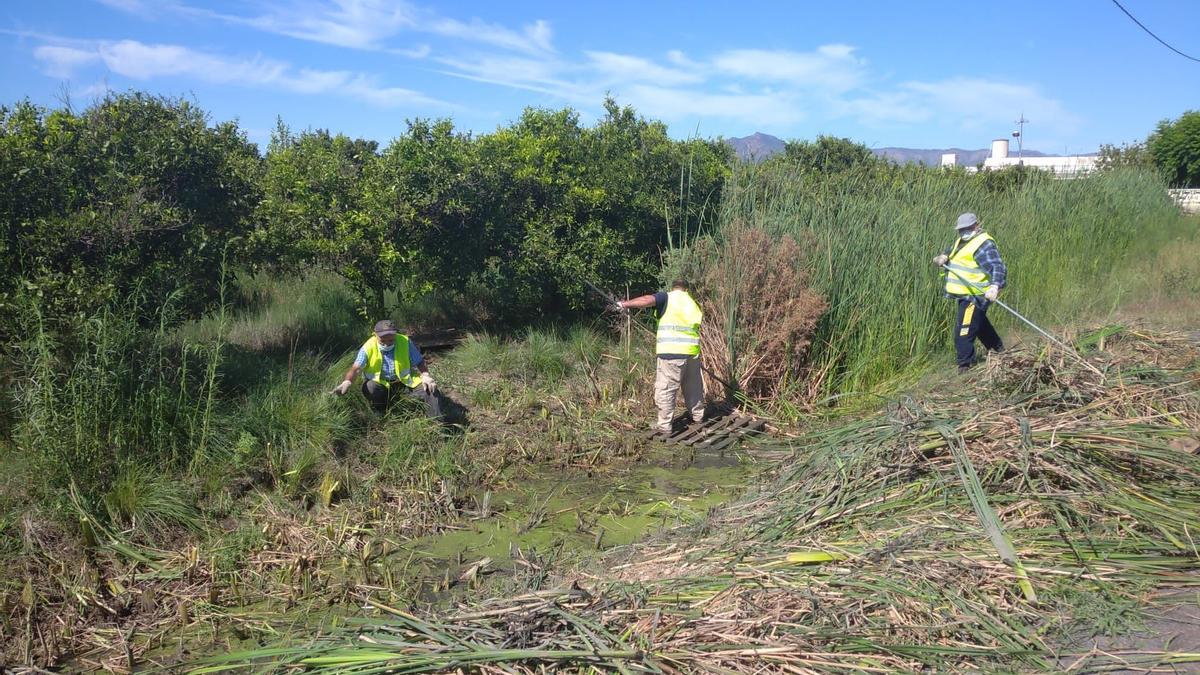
(414, 355)
(989, 259)
(660, 303)
(361, 359)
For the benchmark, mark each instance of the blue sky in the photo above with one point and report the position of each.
(915, 74)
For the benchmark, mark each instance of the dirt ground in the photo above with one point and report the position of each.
(1173, 627)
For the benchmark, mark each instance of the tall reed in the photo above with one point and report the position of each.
(1070, 246)
(110, 393)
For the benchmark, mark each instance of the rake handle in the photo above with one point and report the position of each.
(1031, 324)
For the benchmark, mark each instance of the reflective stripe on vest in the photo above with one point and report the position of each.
(374, 368)
(679, 326)
(968, 278)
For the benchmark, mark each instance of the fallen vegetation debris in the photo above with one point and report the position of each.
(866, 553)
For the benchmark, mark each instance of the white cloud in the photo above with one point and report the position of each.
(830, 67)
(130, 6)
(376, 25)
(881, 108)
(533, 39)
(762, 109)
(622, 68)
(141, 61)
(773, 88)
(63, 62)
(145, 9)
(680, 59)
(530, 74)
(358, 24)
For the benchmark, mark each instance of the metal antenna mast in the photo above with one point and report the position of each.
(1020, 134)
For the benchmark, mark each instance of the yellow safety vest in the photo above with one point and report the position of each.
(374, 368)
(679, 326)
(968, 277)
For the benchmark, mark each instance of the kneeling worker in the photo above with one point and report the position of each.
(678, 348)
(387, 361)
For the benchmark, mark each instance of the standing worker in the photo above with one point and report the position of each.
(974, 275)
(387, 361)
(678, 349)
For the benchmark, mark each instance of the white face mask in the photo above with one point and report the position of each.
(388, 348)
(967, 234)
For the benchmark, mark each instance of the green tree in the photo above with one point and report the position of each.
(1125, 155)
(137, 193)
(829, 154)
(564, 203)
(1175, 148)
(311, 214)
(421, 198)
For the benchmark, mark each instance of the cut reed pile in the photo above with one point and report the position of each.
(882, 545)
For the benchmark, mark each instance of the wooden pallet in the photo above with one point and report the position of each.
(718, 432)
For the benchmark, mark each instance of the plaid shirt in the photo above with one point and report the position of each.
(988, 259)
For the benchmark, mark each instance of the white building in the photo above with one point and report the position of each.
(1063, 167)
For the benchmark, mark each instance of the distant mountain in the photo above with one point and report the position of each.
(756, 146)
(760, 146)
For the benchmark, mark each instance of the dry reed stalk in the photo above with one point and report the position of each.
(865, 554)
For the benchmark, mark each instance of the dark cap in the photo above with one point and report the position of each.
(385, 327)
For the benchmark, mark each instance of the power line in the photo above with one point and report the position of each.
(1151, 33)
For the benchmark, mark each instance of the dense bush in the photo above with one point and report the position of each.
(760, 310)
(137, 192)
(1175, 148)
(515, 219)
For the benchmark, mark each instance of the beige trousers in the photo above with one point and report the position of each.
(669, 377)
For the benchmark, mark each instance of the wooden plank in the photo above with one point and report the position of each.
(715, 433)
(738, 433)
(679, 429)
(731, 429)
(721, 444)
(754, 428)
(710, 427)
(697, 430)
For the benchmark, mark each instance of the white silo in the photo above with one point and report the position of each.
(1000, 148)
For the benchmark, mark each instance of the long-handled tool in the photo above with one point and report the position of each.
(1051, 338)
(613, 302)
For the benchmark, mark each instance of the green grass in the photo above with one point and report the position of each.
(536, 357)
(109, 394)
(142, 495)
(280, 314)
(414, 445)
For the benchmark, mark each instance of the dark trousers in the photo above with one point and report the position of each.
(973, 323)
(382, 397)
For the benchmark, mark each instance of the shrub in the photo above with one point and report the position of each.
(760, 311)
(136, 192)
